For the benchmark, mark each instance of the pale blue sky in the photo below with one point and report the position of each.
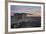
(25, 9)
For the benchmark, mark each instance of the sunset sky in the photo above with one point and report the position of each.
(25, 9)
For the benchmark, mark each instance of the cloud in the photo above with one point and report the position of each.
(25, 9)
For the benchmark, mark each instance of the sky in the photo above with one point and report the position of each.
(21, 9)
(25, 9)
